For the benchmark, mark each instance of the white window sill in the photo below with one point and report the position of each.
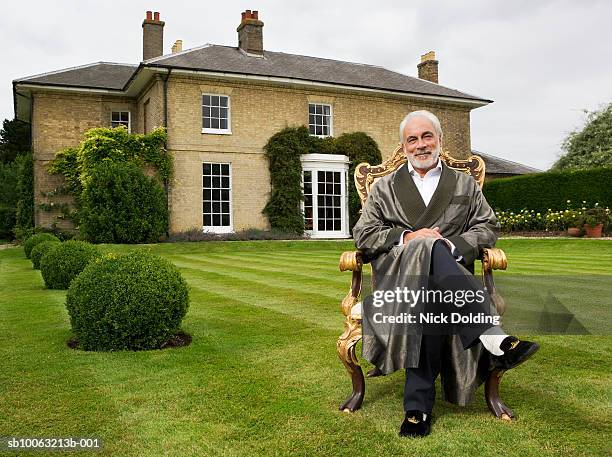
(217, 131)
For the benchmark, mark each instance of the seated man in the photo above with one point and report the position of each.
(426, 220)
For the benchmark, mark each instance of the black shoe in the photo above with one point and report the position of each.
(515, 352)
(415, 426)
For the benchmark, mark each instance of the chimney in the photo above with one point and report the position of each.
(177, 46)
(250, 33)
(152, 36)
(428, 68)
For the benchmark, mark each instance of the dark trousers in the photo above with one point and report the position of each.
(445, 274)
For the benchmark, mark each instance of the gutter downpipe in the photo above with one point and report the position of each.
(166, 183)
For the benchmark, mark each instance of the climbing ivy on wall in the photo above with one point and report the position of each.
(283, 152)
(105, 146)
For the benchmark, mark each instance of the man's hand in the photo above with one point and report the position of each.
(422, 233)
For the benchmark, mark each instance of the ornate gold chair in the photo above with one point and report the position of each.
(492, 259)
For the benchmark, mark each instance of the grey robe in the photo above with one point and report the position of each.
(464, 217)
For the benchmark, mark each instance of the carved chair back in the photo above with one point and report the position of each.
(366, 175)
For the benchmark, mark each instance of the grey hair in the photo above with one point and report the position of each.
(422, 113)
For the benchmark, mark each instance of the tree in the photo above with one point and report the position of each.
(14, 139)
(591, 146)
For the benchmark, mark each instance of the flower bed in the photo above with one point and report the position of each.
(551, 221)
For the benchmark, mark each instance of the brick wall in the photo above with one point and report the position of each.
(257, 112)
(59, 121)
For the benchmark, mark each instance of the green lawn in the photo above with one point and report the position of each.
(262, 376)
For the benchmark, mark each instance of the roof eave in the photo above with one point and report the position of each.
(475, 103)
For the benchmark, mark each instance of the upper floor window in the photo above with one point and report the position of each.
(320, 119)
(216, 114)
(120, 118)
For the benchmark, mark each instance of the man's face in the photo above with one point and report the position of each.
(421, 144)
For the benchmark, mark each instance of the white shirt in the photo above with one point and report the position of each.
(427, 185)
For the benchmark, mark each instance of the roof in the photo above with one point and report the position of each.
(232, 60)
(279, 64)
(497, 165)
(99, 75)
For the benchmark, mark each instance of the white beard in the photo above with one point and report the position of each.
(427, 164)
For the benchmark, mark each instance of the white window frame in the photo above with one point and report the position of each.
(129, 126)
(327, 162)
(331, 119)
(219, 228)
(228, 130)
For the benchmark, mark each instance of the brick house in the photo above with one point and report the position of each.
(220, 105)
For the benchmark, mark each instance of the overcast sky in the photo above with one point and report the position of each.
(542, 62)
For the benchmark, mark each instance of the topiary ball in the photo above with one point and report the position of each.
(135, 301)
(63, 263)
(40, 250)
(29, 244)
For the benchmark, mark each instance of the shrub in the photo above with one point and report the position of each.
(359, 148)
(107, 145)
(7, 222)
(8, 198)
(134, 301)
(63, 263)
(283, 152)
(25, 194)
(197, 234)
(592, 146)
(39, 251)
(122, 205)
(32, 241)
(550, 190)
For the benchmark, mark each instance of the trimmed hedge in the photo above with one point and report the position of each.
(39, 251)
(63, 263)
(550, 190)
(135, 301)
(120, 204)
(29, 244)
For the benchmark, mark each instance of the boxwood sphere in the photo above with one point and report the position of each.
(135, 301)
(40, 250)
(29, 244)
(63, 263)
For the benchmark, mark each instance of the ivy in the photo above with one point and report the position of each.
(106, 145)
(358, 147)
(283, 152)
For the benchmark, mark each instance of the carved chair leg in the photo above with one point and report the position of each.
(346, 351)
(495, 404)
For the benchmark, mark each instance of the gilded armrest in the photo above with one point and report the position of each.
(351, 261)
(493, 259)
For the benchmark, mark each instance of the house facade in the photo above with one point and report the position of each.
(220, 105)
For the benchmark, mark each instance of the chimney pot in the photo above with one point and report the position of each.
(255, 14)
(149, 15)
(248, 14)
(177, 46)
(243, 16)
(156, 16)
(428, 68)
